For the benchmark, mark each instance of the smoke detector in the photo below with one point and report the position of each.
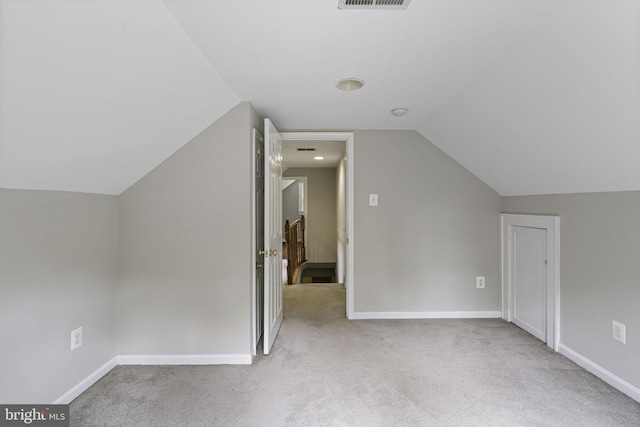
(373, 4)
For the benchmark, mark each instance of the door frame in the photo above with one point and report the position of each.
(552, 226)
(349, 139)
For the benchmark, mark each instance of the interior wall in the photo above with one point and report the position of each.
(321, 240)
(58, 264)
(290, 203)
(185, 247)
(599, 271)
(436, 228)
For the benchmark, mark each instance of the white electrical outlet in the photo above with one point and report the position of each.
(619, 331)
(76, 338)
(480, 282)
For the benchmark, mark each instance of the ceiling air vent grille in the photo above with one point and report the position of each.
(373, 4)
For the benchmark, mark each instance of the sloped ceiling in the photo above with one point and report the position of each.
(532, 96)
(95, 94)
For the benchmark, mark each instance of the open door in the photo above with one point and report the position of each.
(272, 235)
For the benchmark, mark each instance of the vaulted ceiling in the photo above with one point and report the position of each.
(532, 96)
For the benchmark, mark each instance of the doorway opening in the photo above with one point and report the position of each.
(345, 233)
(329, 230)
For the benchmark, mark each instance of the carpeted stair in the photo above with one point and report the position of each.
(318, 272)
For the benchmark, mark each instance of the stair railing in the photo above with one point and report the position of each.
(295, 248)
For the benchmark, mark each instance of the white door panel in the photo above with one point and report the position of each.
(273, 289)
(529, 280)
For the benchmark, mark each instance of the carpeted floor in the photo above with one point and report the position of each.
(327, 371)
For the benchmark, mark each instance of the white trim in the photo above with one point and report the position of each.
(185, 359)
(83, 385)
(427, 315)
(552, 226)
(350, 267)
(349, 139)
(151, 359)
(597, 370)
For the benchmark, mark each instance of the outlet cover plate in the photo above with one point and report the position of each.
(480, 282)
(76, 338)
(619, 331)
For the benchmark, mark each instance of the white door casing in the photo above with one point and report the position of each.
(531, 254)
(273, 288)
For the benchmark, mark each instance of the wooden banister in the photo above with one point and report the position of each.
(294, 252)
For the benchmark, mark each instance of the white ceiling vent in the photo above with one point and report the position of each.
(373, 4)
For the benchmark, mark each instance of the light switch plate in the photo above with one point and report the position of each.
(373, 199)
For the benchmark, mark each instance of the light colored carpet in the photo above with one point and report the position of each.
(327, 371)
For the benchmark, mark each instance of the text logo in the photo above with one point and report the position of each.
(34, 415)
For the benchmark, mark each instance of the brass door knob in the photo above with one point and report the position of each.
(263, 252)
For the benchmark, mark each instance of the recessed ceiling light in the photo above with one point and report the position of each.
(350, 84)
(318, 158)
(399, 111)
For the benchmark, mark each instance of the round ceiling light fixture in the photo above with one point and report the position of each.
(350, 84)
(399, 112)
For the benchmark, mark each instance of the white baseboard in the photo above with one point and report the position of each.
(152, 359)
(185, 359)
(427, 315)
(83, 385)
(597, 370)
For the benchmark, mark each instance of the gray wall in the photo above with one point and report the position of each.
(182, 238)
(290, 202)
(185, 247)
(599, 273)
(436, 228)
(321, 243)
(58, 264)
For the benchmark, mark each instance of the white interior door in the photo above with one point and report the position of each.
(531, 274)
(273, 288)
(529, 280)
